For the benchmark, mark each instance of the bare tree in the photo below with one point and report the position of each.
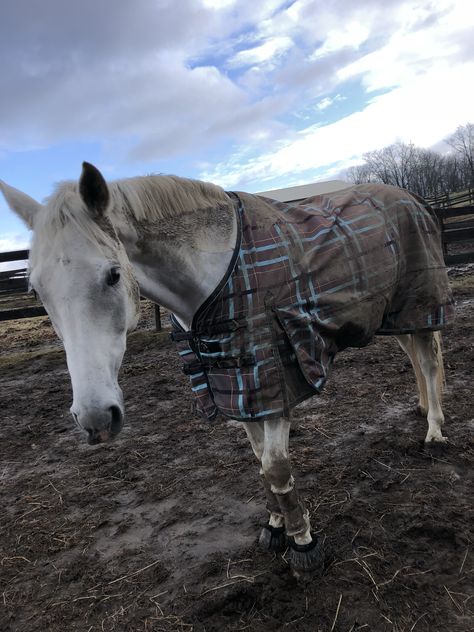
(426, 173)
(451, 176)
(423, 171)
(462, 141)
(392, 164)
(360, 174)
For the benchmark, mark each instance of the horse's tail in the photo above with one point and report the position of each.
(436, 217)
(441, 381)
(408, 345)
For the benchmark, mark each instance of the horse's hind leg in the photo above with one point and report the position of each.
(406, 342)
(427, 346)
(273, 536)
(305, 548)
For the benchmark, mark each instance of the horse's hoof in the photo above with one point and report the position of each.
(435, 439)
(273, 539)
(307, 560)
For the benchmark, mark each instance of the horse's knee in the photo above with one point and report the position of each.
(427, 351)
(276, 469)
(429, 364)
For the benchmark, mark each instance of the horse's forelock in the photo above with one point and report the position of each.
(64, 208)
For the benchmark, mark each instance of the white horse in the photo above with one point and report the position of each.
(97, 246)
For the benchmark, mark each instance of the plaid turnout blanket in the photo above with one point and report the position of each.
(306, 281)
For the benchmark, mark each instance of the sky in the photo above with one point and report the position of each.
(249, 94)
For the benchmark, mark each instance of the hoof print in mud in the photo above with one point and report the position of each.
(435, 448)
(273, 539)
(307, 558)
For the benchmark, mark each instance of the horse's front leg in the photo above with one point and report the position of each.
(273, 535)
(305, 548)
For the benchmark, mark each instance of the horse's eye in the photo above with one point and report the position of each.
(113, 276)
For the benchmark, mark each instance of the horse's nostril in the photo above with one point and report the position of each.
(116, 423)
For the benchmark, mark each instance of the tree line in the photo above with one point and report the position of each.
(423, 171)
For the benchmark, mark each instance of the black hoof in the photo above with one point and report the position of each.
(435, 448)
(273, 539)
(307, 558)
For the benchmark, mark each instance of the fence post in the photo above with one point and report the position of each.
(157, 318)
(442, 219)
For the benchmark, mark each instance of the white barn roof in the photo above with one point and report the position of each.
(293, 194)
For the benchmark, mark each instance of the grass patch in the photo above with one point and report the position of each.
(462, 284)
(20, 360)
(13, 301)
(148, 337)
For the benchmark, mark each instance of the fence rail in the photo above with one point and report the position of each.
(14, 255)
(449, 200)
(453, 232)
(16, 282)
(456, 232)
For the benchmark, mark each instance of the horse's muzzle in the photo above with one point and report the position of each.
(101, 426)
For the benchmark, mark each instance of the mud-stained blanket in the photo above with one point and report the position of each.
(306, 281)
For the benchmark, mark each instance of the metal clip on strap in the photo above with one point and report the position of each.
(178, 336)
(192, 367)
(223, 327)
(218, 328)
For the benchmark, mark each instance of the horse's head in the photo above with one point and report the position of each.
(82, 274)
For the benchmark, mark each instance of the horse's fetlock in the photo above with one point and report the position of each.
(296, 518)
(276, 520)
(272, 503)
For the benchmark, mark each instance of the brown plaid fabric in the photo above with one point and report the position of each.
(306, 281)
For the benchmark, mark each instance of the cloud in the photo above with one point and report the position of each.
(218, 5)
(407, 113)
(123, 74)
(14, 241)
(266, 52)
(325, 103)
(351, 35)
(423, 50)
(159, 79)
(411, 51)
(95, 69)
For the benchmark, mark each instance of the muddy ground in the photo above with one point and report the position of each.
(158, 531)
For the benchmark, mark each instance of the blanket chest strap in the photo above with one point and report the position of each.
(219, 363)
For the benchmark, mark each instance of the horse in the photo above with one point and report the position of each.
(256, 326)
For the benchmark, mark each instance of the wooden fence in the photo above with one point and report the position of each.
(454, 231)
(449, 200)
(16, 282)
(457, 225)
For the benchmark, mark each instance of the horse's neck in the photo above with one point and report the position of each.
(178, 262)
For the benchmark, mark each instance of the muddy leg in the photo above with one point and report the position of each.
(428, 349)
(407, 344)
(306, 552)
(273, 535)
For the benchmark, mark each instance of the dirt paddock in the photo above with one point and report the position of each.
(158, 531)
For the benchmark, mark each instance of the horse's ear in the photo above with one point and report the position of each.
(93, 190)
(20, 203)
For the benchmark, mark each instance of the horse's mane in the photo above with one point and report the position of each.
(159, 197)
(142, 198)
